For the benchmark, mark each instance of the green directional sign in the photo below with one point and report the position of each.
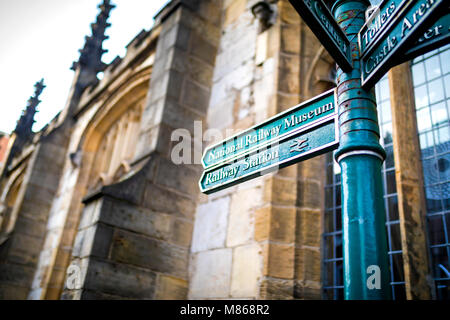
(372, 30)
(396, 37)
(297, 146)
(296, 118)
(320, 20)
(436, 36)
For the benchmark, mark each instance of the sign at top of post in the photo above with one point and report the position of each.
(396, 37)
(377, 22)
(434, 37)
(320, 20)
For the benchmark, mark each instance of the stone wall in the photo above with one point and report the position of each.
(226, 261)
(150, 234)
(95, 111)
(134, 236)
(262, 238)
(19, 254)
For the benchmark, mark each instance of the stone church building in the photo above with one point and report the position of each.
(94, 207)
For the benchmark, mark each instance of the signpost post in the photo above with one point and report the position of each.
(360, 157)
(343, 118)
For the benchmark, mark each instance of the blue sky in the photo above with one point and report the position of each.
(41, 39)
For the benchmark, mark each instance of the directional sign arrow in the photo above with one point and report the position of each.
(275, 128)
(397, 37)
(320, 20)
(297, 146)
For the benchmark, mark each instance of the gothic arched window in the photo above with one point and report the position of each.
(116, 149)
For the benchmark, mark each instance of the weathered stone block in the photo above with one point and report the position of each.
(238, 46)
(130, 189)
(211, 225)
(178, 177)
(262, 223)
(287, 13)
(312, 169)
(11, 292)
(281, 191)
(62, 257)
(234, 11)
(289, 80)
(182, 232)
(148, 142)
(180, 116)
(276, 289)
(148, 253)
(211, 274)
(201, 48)
(119, 279)
(286, 101)
(199, 71)
(221, 115)
(307, 291)
(308, 264)
(246, 272)
(93, 241)
(91, 213)
(177, 36)
(290, 39)
(16, 275)
(153, 113)
(71, 295)
(210, 10)
(163, 200)
(309, 227)
(209, 31)
(95, 295)
(24, 249)
(46, 178)
(30, 227)
(241, 222)
(275, 223)
(170, 288)
(81, 241)
(36, 203)
(278, 260)
(125, 216)
(195, 97)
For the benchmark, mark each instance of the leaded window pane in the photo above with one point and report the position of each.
(434, 138)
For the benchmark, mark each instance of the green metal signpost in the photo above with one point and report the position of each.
(360, 157)
(343, 118)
